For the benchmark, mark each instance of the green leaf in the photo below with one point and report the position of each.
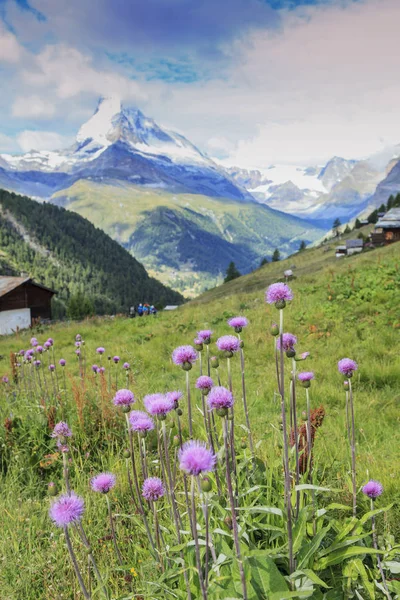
(263, 509)
(362, 572)
(372, 513)
(314, 578)
(350, 541)
(309, 486)
(307, 552)
(265, 577)
(299, 530)
(337, 557)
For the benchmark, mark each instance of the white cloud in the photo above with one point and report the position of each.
(8, 144)
(10, 50)
(32, 106)
(42, 140)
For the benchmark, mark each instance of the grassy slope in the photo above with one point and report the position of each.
(350, 310)
(240, 231)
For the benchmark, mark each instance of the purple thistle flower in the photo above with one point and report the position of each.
(278, 292)
(61, 429)
(205, 335)
(238, 323)
(39, 349)
(21, 352)
(67, 509)
(184, 354)
(124, 398)
(175, 396)
(101, 370)
(126, 365)
(195, 458)
(95, 368)
(78, 344)
(228, 343)
(372, 489)
(204, 383)
(103, 483)
(78, 337)
(137, 414)
(220, 397)
(306, 376)
(158, 404)
(34, 341)
(153, 488)
(198, 342)
(78, 352)
(52, 367)
(142, 424)
(50, 341)
(116, 359)
(288, 342)
(62, 446)
(37, 363)
(303, 356)
(5, 379)
(47, 345)
(347, 366)
(100, 350)
(62, 362)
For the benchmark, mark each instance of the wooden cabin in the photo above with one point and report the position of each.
(22, 300)
(387, 229)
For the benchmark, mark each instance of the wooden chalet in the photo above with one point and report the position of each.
(22, 300)
(387, 229)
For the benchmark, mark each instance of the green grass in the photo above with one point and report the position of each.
(341, 308)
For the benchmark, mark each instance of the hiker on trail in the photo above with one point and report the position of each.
(132, 312)
(153, 310)
(140, 309)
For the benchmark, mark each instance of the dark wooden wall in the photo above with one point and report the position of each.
(30, 296)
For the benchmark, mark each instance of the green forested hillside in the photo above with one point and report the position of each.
(66, 252)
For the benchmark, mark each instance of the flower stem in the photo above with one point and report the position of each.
(189, 405)
(246, 411)
(285, 448)
(114, 537)
(378, 556)
(76, 566)
(92, 559)
(178, 523)
(353, 449)
(233, 510)
(196, 542)
(66, 472)
(295, 432)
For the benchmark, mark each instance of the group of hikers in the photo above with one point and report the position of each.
(142, 309)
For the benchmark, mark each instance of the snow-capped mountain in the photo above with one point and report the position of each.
(120, 143)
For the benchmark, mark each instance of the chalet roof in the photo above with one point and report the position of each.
(354, 243)
(390, 220)
(7, 284)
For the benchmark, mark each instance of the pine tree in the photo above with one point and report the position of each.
(302, 245)
(357, 224)
(373, 217)
(276, 255)
(264, 261)
(231, 272)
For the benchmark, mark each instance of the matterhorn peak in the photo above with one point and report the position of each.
(101, 123)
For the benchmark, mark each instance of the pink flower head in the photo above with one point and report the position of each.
(306, 376)
(124, 398)
(100, 350)
(204, 383)
(303, 356)
(195, 458)
(78, 353)
(158, 404)
(137, 414)
(52, 367)
(153, 488)
(62, 362)
(372, 489)
(78, 337)
(94, 368)
(34, 341)
(144, 423)
(47, 345)
(116, 359)
(101, 370)
(184, 354)
(126, 366)
(288, 342)
(175, 396)
(347, 366)
(21, 352)
(39, 349)
(103, 483)
(61, 429)
(67, 509)
(78, 344)
(37, 363)
(220, 397)
(278, 292)
(5, 379)
(50, 341)
(228, 343)
(205, 336)
(198, 342)
(62, 446)
(238, 323)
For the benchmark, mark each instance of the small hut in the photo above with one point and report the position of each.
(387, 229)
(22, 300)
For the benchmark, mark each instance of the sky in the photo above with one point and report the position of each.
(250, 82)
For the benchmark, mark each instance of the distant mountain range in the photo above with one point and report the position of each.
(153, 191)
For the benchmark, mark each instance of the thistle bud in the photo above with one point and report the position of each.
(241, 344)
(126, 408)
(222, 412)
(243, 445)
(126, 453)
(161, 416)
(52, 489)
(186, 366)
(228, 354)
(176, 440)
(346, 385)
(291, 353)
(274, 330)
(238, 329)
(198, 347)
(206, 485)
(280, 304)
(179, 412)
(214, 362)
(305, 384)
(228, 522)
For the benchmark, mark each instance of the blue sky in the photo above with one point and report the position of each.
(249, 81)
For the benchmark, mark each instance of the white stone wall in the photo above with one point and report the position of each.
(10, 320)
